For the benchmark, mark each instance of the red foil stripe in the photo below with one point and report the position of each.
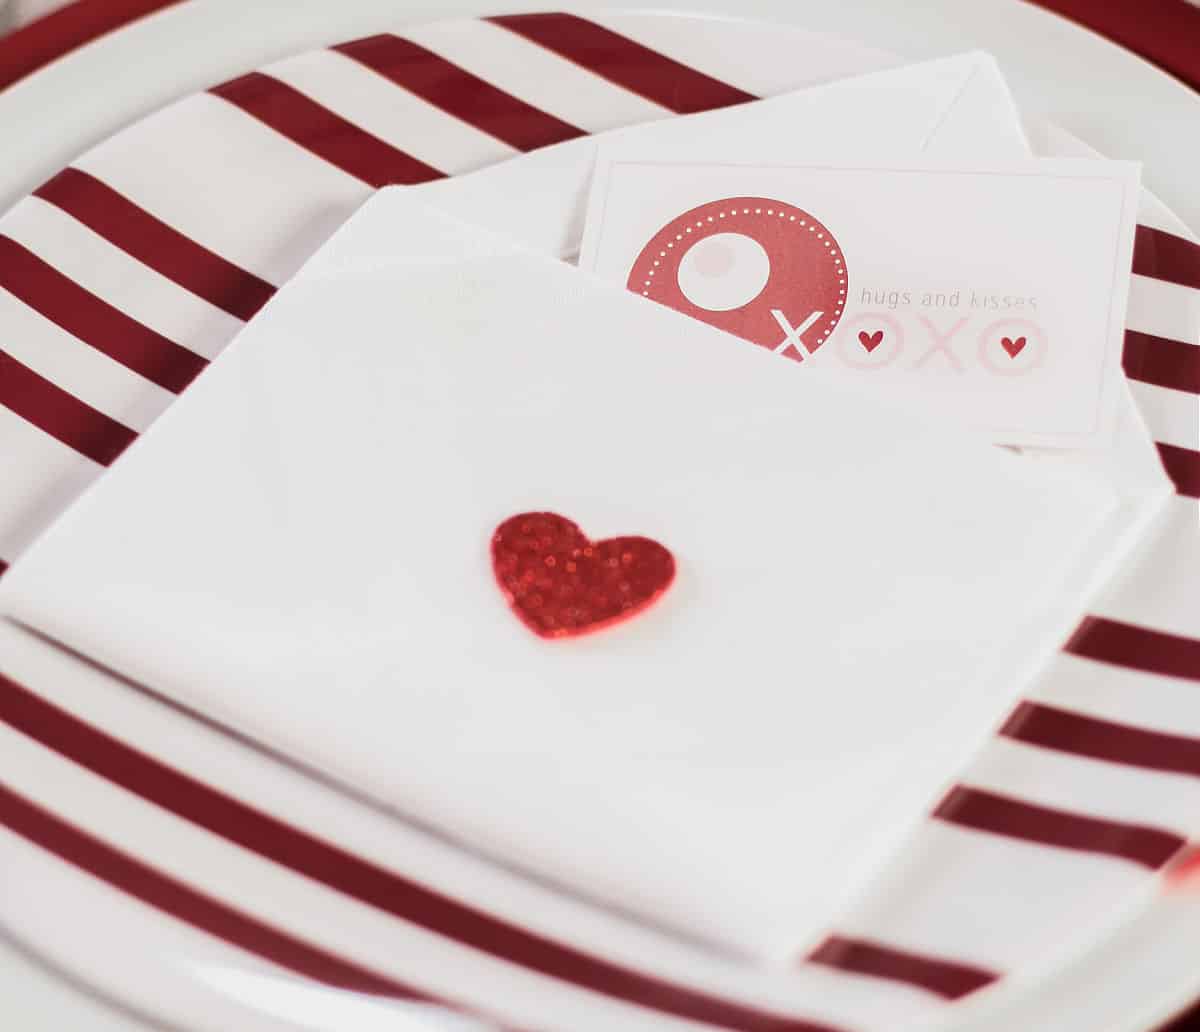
(1162, 31)
(620, 60)
(946, 978)
(459, 93)
(1165, 256)
(63, 416)
(189, 905)
(1013, 818)
(153, 243)
(37, 44)
(360, 879)
(1162, 362)
(1188, 1021)
(1137, 647)
(98, 324)
(1051, 728)
(1182, 466)
(322, 132)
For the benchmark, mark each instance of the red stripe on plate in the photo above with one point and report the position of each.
(189, 905)
(1162, 362)
(1165, 256)
(1182, 466)
(946, 978)
(95, 322)
(322, 132)
(1162, 31)
(63, 416)
(459, 93)
(1140, 648)
(1188, 1021)
(360, 879)
(155, 244)
(620, 60)
(1014, 818)
(1051, 728)
(49, 38)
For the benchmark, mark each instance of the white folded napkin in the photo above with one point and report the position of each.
(302, 549)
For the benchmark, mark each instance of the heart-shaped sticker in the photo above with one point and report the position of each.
(1013, 347)
(870, 341)
(561, 584)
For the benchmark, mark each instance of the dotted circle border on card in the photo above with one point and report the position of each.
(722, 216)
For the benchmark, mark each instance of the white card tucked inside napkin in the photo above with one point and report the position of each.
(303, 549)
(993, 294)
(300, 549)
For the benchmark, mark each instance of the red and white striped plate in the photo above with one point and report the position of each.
(196, 879)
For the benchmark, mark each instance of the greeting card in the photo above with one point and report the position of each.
(993, 294)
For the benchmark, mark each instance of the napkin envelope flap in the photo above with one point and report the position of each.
(956, 106)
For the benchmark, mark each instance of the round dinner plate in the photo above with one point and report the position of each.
(206, 885)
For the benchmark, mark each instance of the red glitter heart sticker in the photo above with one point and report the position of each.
(562, 584)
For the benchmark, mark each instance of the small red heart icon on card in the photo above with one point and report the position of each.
(870, 341)
(561, 584)
(1013, 347)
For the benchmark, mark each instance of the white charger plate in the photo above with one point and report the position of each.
(759, 59)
